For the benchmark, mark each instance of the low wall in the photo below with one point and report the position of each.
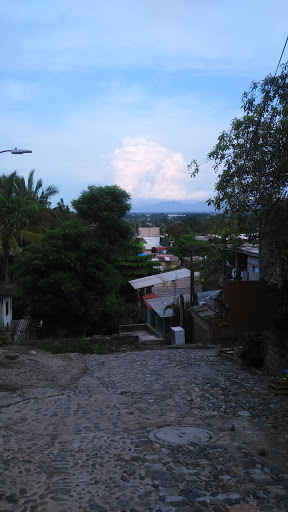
(130, 329)
(202, 329)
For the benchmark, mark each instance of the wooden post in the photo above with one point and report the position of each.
(191, 281)
(181, 311)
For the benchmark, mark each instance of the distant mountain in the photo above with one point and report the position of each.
(173, 207)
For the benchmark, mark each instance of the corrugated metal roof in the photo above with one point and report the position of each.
(175, 274)
(158, 305)
(250, 249)
(149, 296)
(203, 297)
(144, 282)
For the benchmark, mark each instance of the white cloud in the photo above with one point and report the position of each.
(147, 169)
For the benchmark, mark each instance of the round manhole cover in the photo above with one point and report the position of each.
(181, 435)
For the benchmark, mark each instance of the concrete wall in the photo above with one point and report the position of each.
(252, 266)
(151, 241)
(5, 311)
(202, 330)
(150, 235)
(173, 288)
(149, 231)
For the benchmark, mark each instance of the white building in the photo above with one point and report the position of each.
(151, 236)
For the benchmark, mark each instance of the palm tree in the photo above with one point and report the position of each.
(33, 192)
(23, 213)
(7, 185)
(15, 215)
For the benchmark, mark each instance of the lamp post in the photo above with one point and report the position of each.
(16, 151)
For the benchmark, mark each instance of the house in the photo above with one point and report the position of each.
(161, 316)
(165, 284)
(151, 235)
(158, 316)
(242, 262)
(168, 261)
(246, 262)
(7, 292)
(5, 311)
(241, 307)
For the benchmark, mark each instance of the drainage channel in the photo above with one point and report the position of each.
(181, 435)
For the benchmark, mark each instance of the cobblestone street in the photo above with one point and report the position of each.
(88, 448)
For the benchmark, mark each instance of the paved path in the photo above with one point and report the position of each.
(88, 449)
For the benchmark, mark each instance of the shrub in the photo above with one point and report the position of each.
(252, 352)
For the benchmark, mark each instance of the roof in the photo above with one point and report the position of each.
(203, 297)
(250, 250)
(144, 282)
(158, 305)
(149, 296)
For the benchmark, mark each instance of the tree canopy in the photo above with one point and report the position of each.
(252, 156)
(24, 212)
(65, 279)
(104, 209)
(72, 278)
(188, 244)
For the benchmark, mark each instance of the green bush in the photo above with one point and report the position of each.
(252, 352)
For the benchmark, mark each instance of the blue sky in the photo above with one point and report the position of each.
(128, 92)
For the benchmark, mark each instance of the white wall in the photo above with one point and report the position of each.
(253, 268)
(5, 311)
(152, 241)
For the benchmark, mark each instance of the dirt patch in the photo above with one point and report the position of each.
(25, 368)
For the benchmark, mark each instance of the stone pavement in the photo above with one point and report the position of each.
(88, 449)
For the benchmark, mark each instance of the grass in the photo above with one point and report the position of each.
(82, 346)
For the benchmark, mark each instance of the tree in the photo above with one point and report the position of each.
(104, 209)
(177, 229)
(188, 244)
(63, 212)
(72, 278)
(24, 213)
(65, 279)
(133, 266)
(15, 217)
(252, 161)
(252, 156)
(34, 192)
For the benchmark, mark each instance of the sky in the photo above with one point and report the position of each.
(129, 92)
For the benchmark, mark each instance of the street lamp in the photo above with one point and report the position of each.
(16, 151)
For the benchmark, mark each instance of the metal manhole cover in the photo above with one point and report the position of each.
(181, 435)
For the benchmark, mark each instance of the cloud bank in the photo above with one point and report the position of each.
(146, 169)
